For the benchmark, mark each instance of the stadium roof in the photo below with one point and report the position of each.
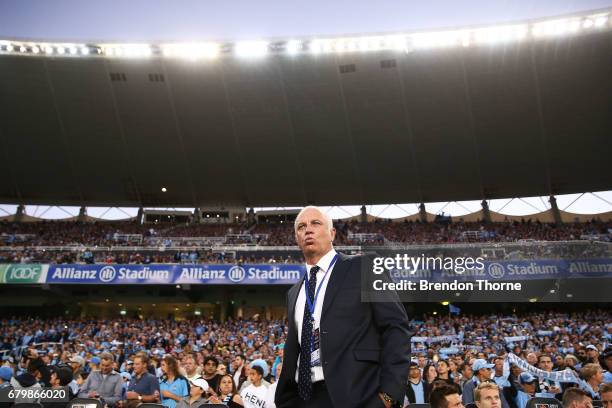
(514, 119)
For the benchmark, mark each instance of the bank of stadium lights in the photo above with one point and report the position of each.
(541, 29)
(250, 49)
(191, 51)
(126, 50)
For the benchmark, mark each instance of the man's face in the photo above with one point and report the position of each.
(499, 364)
(484, 373)
(442, 367)
(532, 358)
(422, 361)
(606, 399)
(237, 362)
(489, 399)
(210, 367)
(414, 373)
(453, 401)
(189, 365)
(54, 380)
(106, 366)
(546, 364)
(592, 354)
(139, 366)
(313, 234)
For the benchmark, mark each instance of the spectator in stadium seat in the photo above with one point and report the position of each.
(593, 375)
(466, 374)
(443, 371)
(482, 372)
(606, 395)
(607, 365)
(209, 373)
(239, 368)
(532, 359)
(60, 377)
(143, 386)
(221, 369)
(272, 388)
(445, 396)
(105, 384)
(417, 391)
(190, 367)
(6, 373)
(173, 387)
(255, 394)
(498, 375)
(576, 398)
(29, 379)
(547, 386)
(487, 395)
(77, 363)
(197, 394)
(570, 361)
(227, 393)
(528, 386)
(592, 354)
(366, 351)
(429, 373)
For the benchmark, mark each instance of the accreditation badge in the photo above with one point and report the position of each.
(315, 354)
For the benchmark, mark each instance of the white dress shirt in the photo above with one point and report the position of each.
(323, 264)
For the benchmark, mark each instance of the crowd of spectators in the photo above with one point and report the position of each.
(108, 242)
(58, 233)
(209, 350)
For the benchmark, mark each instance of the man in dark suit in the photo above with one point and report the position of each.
(340, 351)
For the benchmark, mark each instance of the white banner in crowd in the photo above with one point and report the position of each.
(514, 339)
(565, 376)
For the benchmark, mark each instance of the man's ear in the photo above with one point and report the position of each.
(333, 234)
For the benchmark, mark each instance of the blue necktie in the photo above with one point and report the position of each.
(304, 380)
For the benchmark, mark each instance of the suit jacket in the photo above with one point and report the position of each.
(365, 347)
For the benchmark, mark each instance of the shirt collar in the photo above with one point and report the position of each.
(324, 261)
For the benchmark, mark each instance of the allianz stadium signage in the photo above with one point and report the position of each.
(281, 274)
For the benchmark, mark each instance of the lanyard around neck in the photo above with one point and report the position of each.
(312, 303)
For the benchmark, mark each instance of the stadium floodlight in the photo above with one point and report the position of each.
(9, 47)
(48, 50)
(35, 49)
(73, 50)
(435, 39)
(191, 51)
(85, 50)
(601, 21)
(494, 35)
(251, 48)
(23, 49)
(395, 42)
(587, 23)
(293, 47)
(61, 50)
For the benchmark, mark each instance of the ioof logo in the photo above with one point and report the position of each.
(28, 273)
(496, 270)
(107, 274)
(236, 274)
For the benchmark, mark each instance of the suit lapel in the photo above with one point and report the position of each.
(338, 275)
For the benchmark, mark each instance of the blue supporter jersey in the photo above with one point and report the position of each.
(178, 387)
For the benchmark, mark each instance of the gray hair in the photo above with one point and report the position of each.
(326, 216)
